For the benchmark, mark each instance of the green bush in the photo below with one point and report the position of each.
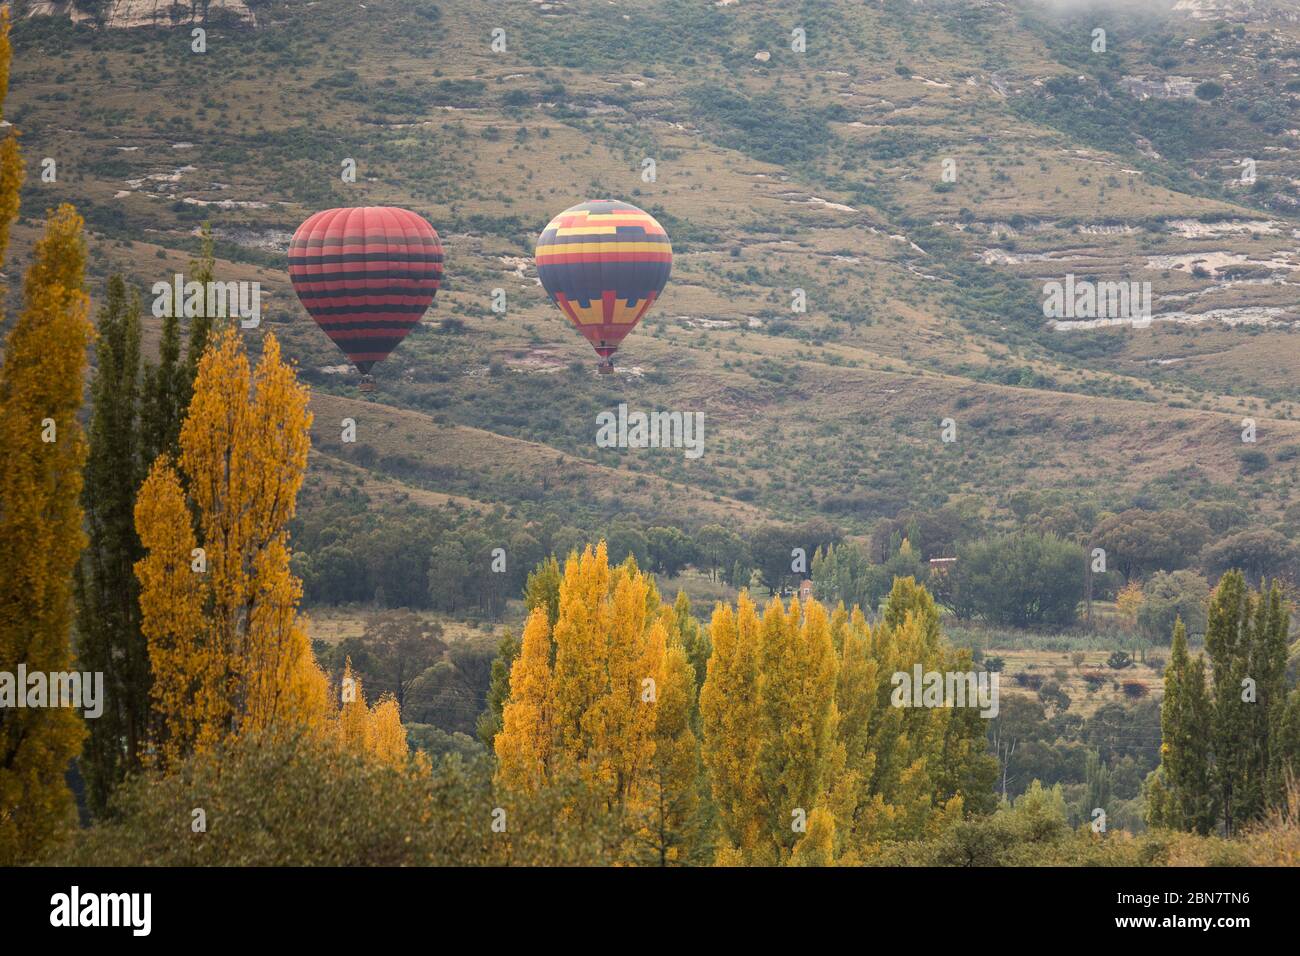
(1021, 580)
(300, 802)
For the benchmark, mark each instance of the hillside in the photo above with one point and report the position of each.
(820, 171)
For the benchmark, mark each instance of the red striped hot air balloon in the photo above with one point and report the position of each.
(604, 263)
(366, 275)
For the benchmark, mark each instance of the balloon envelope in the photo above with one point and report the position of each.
(366, 274)
(604, 263)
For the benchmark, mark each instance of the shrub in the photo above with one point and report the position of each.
(302, 802)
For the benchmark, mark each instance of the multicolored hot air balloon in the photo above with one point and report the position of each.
(604, 263)
(366, 275)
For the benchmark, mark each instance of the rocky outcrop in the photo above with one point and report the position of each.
(1239, 11)
(144, 13)
(1165, 88)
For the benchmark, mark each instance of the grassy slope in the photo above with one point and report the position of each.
(841, 403)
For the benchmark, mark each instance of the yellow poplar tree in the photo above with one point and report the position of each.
(385, 736)
(774, 758)
(525, 744)
(596, 710)
(729, 715)
(11, 161)
(797, 722)
(218, 601)
(920, 765)
(370, 731)
(353, 724)
(609, 658)
(40, 514)
(799, 757)
(670, 825)
(857, 694)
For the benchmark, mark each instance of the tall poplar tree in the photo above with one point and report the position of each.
(109, 639)
(670, 823)
(1228, 642)
(605, 705)
(1266, 655)
(202, 325)
(1245, 731)
(609, 658)
(168, 385)
(40, 518)
(525, 745)
(693, 638)
(1187, 798)
(219, 603)
(729, 711)
(773, 758)
(161, 390)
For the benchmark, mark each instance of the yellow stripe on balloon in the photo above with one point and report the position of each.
(592, 248)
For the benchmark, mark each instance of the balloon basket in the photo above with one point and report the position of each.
(606, 368)
(367, 385)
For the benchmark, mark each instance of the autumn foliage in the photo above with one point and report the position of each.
(40, 531)
(791, 743)
(44, 450)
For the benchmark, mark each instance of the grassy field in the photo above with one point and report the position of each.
(335, 624)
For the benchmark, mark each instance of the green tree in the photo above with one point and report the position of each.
(448, 564)
(1245, 639)
(719, 547)
(109, 639)
(1186, 798)
(489, 722)
(1097, 786)
(1023, 579)
(1169, 597)
(202, 271)
(543, 589)
(1257, 554)
(168, 385)
(1139, 542)
(670, 550)
(403, 645)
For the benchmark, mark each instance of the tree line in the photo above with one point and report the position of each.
(1039, 575)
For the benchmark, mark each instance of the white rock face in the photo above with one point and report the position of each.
(1166, 88)
(1239, 11)
(148, 13)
